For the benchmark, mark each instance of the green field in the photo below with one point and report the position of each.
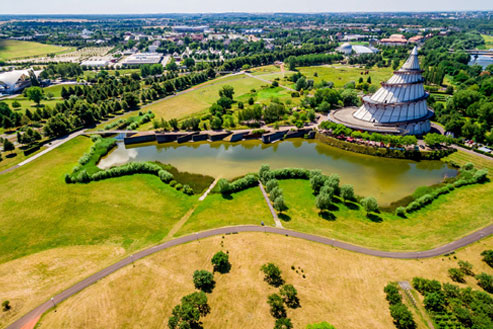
(488, 42)
(28, 104)
(461, 158)
(245, 207)
(340, 75)
(43, 212)
(15, 49)
(200, 97)
(446, 219)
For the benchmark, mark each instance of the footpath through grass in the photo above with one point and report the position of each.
(16, 49)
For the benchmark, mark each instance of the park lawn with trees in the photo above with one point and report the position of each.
(10, 159)
(488, 42)
(448, 218)
(351, 300)
(26, 103)
(200, 97)
(16, 49)
(241, 208)
(461, 158)
(132, 211)
(341, 74)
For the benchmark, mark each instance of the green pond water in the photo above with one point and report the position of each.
(386, 179)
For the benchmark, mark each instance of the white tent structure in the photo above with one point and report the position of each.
(15, 81)
(399, 106)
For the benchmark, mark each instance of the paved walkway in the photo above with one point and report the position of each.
(473, 237)
(203, 196)
(271, 208)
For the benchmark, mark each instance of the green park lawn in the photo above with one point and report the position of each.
(28, 104)
(448, 218)
(200, 97)
(342, 74)
(245, 207)
(15, 49)
(40, 211)
(488, 42)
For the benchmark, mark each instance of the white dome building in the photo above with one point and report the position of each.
(398, 107)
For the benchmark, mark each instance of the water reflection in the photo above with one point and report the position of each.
(386, 179)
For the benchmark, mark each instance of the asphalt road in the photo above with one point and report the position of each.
(38, 311)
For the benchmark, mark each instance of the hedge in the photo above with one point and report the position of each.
(468, 175)
(101, 147)
(403, 318)
(226, 187)
(384, 152)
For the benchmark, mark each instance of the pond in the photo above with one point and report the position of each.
(386, 179)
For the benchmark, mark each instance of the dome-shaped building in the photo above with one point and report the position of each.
(398, 107)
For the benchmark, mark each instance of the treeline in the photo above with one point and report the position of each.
(312, 59)
(271, 57)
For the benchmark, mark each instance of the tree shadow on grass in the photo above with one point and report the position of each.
(227, 196)
(351, 205)
(284, 217)
(11, 155)
(333, 207)
(374, 218)
(327, 215)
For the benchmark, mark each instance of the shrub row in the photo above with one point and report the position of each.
(384, 152)
(227, 187)
(101, 147)
(403, 318)
(467, 176)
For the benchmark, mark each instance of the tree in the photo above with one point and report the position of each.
(276, 303)
(279, 204)
(317, 181)
(283, 323)
(189, 62)
(485, 281)
(275, 192)
(16, 104)
(6, 305)
(8, 145)
(434, 301)
(456, 275)
(347, 192)
(290, 295)
(488, 257)
(272, 274)
(203, 280)
(220, 262)
(271, 184)
(370, 204)
(227, 91)
(171, 66)
(466, 267)
(36, 94)
(323, 201)
(225, 102)
(349, 97)
(188, 313)
(403, 318)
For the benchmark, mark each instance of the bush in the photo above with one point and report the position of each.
(203, 280)
(456, 275)
(435, 302)
(275, 193)
(347, 192)
(488, 257)
(403, 318)
(320, 325)
(178, 187)
(317, 181)
(290, 295)
(485, 281)
(238, 185)
(6, 305)
(283, 323)
(276, 303)
(172, 183)
(425, 286)
(187, 190)
(393, 296)
(272, 274)
(291, 173)
(280, 204)
(165, 176)
(220, 262)
(370, 204)
(333, 181)
(400, 211)
(271, 184)
(466, 267)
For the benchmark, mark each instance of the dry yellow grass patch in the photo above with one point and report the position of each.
(341, 287)
(28, 281)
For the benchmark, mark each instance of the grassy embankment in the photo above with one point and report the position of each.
(448, 218)
(340, 287)
(16, 49)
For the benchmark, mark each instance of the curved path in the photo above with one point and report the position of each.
(38, 311)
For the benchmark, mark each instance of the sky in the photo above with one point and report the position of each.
(209, 6)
